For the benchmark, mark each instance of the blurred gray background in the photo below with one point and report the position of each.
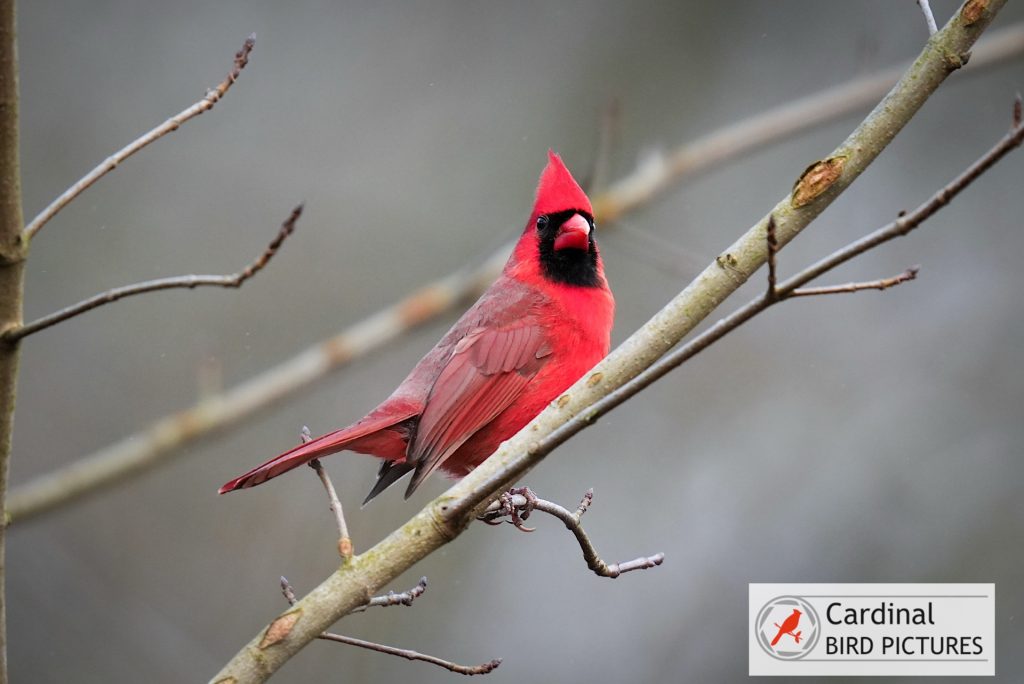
(868, 438)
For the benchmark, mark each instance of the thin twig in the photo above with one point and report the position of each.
(345, 548)
(212, 97)
(520, 504)
(929, 18)
(164, 438)
(391, 598)
(485, 668)
(234, 280)
(883, 284)
(408, 654)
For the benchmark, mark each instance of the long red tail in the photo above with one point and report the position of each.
(332, 442)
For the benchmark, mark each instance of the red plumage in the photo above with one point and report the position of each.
(540, 326)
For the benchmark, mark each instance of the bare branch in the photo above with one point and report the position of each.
(187, 282)
(929, 18)
(447, 516)
(163, 439)
(485, 668)
(882, 284)
(345, 549)
(212, 97)
(519, 505)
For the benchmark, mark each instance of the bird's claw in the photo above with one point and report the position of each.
(516, 513)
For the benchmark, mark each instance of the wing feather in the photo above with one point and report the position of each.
(488, 369)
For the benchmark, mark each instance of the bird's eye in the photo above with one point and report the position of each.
(542, 222)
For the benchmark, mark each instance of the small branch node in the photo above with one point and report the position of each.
(289, 593)
(1016, 113)
(588, 498)
(391, 598)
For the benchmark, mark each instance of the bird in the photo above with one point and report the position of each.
(538, 328)
(787, 627)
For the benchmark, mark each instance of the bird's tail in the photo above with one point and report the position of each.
(352, 437)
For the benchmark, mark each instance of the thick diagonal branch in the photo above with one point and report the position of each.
(211, 98)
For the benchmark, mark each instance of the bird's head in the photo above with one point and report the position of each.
(559, 237)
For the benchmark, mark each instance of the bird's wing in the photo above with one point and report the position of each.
(488, 369)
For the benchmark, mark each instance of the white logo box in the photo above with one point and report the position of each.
(872, 629)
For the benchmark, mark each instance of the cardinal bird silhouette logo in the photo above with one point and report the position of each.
(787, 627)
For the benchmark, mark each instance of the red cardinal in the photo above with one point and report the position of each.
(787, 627)
(544, 322)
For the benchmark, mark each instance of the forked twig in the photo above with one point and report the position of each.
(518, 504)
(773, 295)
(211, 98)
(234, 280)
(289, 595)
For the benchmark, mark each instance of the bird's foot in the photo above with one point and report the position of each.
(516, 510)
